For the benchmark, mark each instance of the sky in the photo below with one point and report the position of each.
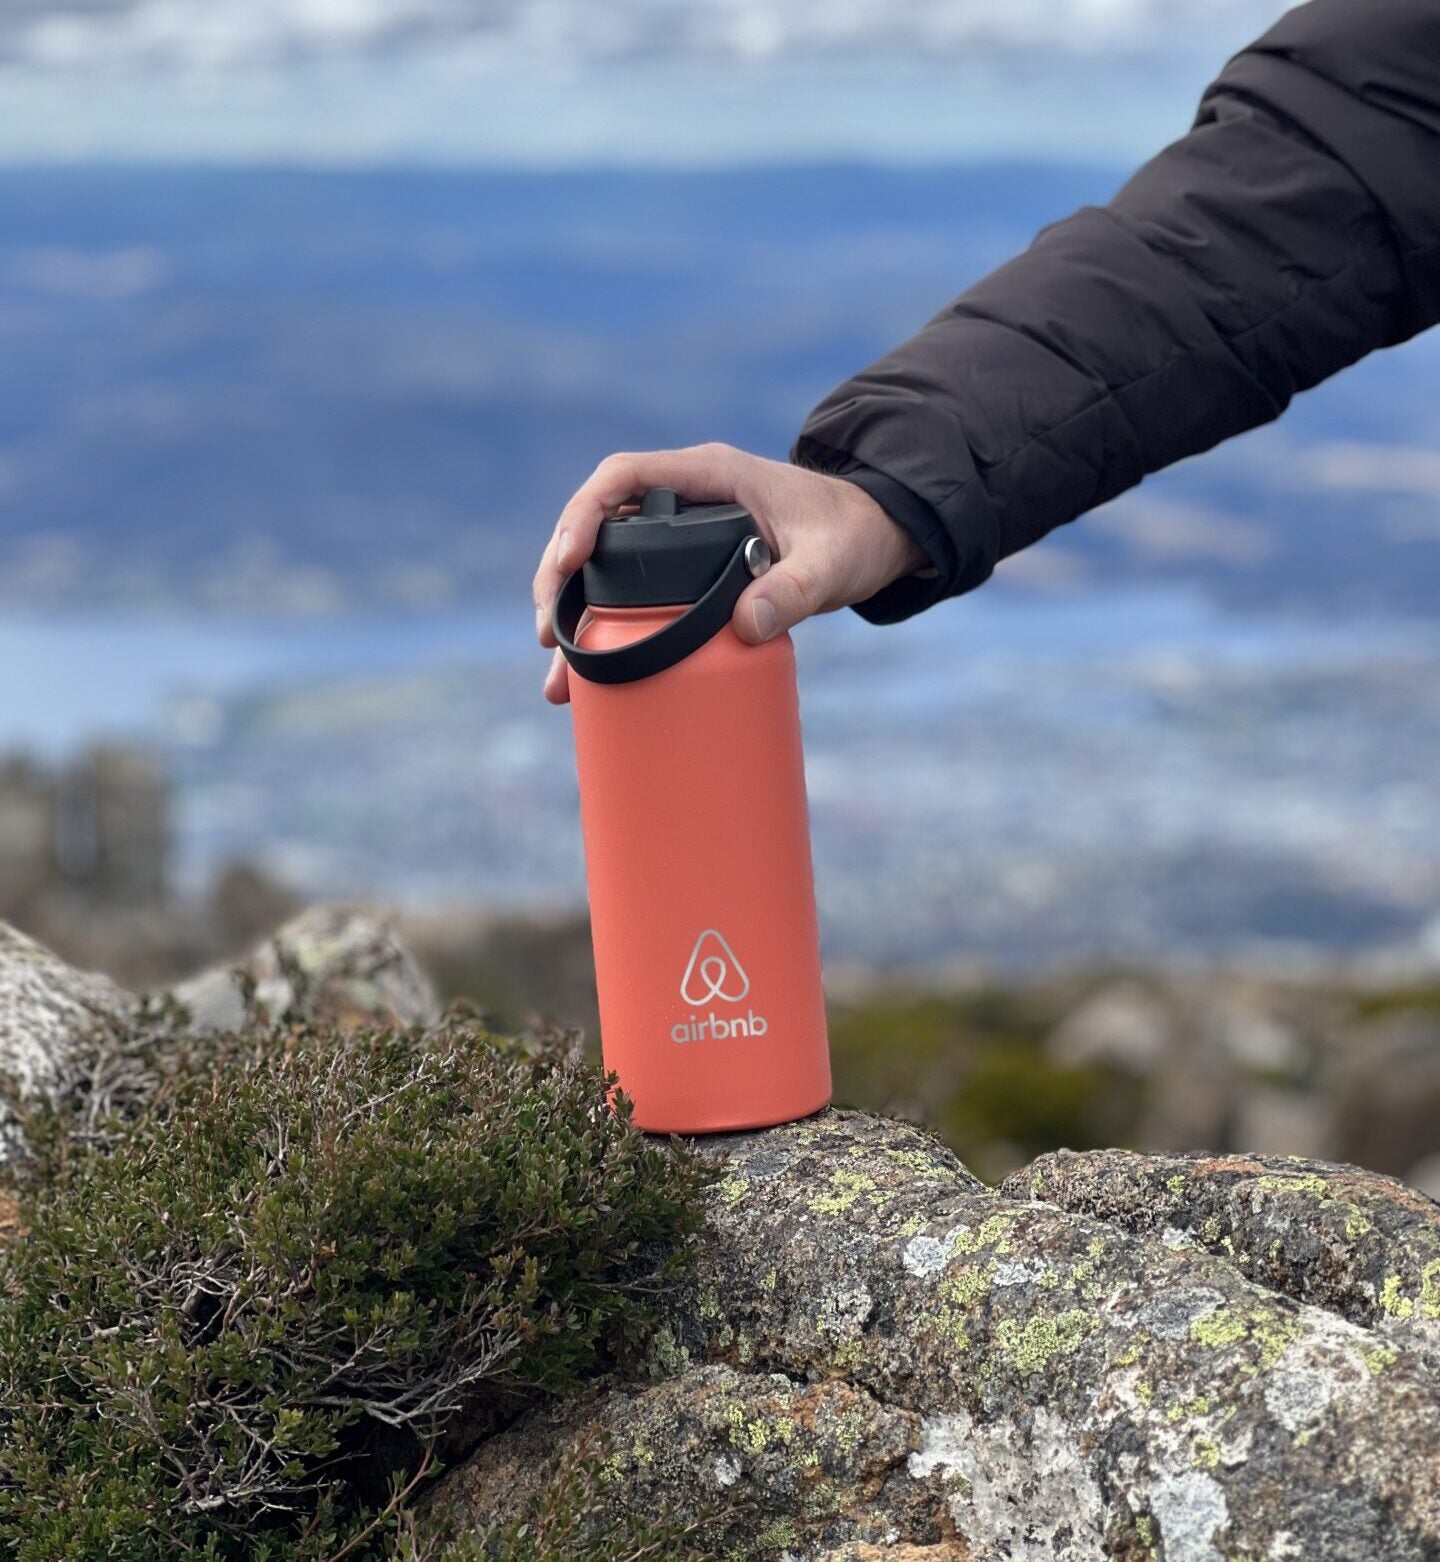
(566, 82)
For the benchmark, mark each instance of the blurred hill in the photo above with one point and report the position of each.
(268, 390)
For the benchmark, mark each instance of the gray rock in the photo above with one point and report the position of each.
(1358, 1244)
(336, 963)
(46, 1009)
(880, 1357)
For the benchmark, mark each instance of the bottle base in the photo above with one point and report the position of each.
(689, 1129)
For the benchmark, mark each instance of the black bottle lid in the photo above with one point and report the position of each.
(670, 553)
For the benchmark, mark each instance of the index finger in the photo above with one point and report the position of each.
(700, 472)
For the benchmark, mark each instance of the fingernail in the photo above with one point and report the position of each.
(766, 622)
(562, 546)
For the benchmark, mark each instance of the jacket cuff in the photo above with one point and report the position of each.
(912, 593)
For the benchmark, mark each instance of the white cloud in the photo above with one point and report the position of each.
(211, 35)
(88, 274)
(1375, 469)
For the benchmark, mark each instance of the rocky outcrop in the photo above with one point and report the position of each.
(1355, 1243)
(332, 962)
(882, 1358)
(1150, 1358)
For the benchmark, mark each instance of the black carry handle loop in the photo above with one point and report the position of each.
(667, 646)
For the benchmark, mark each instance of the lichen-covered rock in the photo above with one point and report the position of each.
(1362, 1245)
(825, 1460)
(1021, 1380)
(334, 963)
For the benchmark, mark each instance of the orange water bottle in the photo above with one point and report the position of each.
(697, 843)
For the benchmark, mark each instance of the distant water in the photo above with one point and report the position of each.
(73, 678)
(1020, 778)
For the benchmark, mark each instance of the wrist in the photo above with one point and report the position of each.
(892, 546)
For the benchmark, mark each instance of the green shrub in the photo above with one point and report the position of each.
(261, 1280)
(973, 1065)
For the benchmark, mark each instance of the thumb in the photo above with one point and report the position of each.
(776, 602)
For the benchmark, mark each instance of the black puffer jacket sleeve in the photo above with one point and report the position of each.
(1296, 228)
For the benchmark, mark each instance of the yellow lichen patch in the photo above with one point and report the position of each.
(1225, 1327)
(1145, 1532)
(1430, 1290)
(991, 1232)
(751, 1435)
(1297, 1184)
(921, 1161)
(1357, 1223)
(848, 1186)
(849, 1431)
(1207, 1453)
(1393, 1300)
(1176, 1184)
(965, 1284)
(1031, 1345)
(1378, 1358)
(666, 1358)
(1199, 1406)
(1271, 1331)
(731, 1190)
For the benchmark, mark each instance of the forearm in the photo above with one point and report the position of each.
(1245, 263)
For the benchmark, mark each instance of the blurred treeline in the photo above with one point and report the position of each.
(1338, 1065)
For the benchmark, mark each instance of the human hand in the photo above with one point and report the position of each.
(834, 545)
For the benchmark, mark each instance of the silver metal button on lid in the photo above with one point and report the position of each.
(758, 557)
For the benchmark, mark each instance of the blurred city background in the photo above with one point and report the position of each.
(313, 312)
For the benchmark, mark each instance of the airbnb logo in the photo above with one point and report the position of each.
(713, 972)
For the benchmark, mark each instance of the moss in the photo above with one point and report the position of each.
(277, 1266)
